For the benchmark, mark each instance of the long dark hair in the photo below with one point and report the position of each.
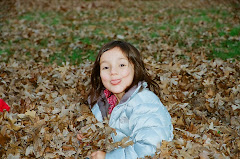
(134, 57)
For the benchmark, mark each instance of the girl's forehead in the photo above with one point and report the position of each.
(115, 52)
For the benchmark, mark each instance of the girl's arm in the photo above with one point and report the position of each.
(150, 124)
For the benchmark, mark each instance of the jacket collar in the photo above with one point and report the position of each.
(104, 105)
(132, 91)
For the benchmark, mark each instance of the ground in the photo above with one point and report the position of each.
(191, 49)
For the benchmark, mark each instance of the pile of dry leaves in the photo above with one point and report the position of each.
(49, 102)
(48, 108)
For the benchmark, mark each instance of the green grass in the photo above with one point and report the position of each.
(58, 57)
(28, 16)
(227, 49)
(5, 54)
(75, 55)
(77, 36)
(235, 31)
(2, 51)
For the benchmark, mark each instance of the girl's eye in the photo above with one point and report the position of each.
(105, 68)
(122, 65)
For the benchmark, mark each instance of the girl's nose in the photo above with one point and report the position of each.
(114, 71)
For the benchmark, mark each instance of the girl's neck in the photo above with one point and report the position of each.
(119, 96)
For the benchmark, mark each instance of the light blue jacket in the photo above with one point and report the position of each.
(141, 116)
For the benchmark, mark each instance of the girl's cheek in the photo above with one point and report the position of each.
(104, 76)
(125, 73)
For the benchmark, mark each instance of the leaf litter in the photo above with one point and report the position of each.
(48, 108)
(49, 102)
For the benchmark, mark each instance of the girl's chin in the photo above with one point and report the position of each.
(116, 91)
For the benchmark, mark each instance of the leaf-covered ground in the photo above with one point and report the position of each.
(180, 43)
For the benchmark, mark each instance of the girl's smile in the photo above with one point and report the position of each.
(116, 71)
(115, 82)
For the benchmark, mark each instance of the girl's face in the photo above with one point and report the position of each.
(116, 71)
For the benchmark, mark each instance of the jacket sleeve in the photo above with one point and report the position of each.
(97, 113)
(150, 123)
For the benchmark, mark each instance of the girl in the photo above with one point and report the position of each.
(120, 86)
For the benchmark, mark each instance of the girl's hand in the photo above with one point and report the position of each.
(98, 155)
(80, 136)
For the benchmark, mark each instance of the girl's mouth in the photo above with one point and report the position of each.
(115, 82)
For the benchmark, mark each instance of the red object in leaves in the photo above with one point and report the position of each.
(3, 106)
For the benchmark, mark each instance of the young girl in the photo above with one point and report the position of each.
(120, 87)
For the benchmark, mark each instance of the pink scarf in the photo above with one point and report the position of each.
(112, 100)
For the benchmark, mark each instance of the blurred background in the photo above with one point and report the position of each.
(57, 31)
